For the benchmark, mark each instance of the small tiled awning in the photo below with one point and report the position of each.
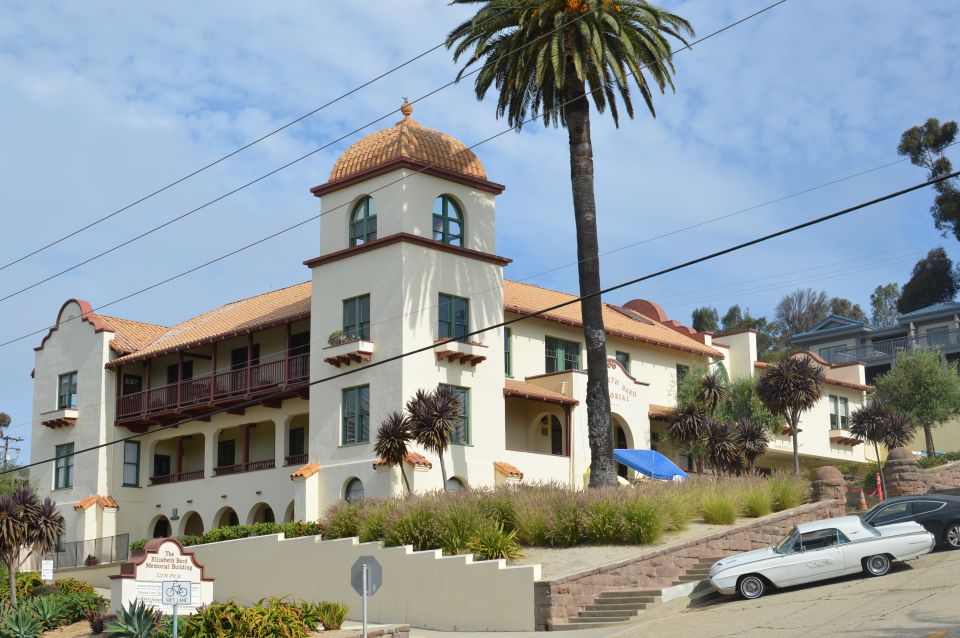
(60, 422)
(523, 390)
(842, 437)
(510, 471)
(100, 501)
(414, 459)
(659, 412)
(306, 471)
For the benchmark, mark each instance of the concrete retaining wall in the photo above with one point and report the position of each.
(559, 600)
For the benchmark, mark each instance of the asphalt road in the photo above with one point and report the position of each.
(919, 598)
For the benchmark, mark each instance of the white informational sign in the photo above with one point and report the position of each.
(46, 570)
(176, 592)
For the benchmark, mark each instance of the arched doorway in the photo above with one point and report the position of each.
(161, 528)
(289, 514)
(622, 440)
(226, 518)
(261, 513)
(556, 436)
(192, 525)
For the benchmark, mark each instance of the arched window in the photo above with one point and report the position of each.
(354, 491)
(447, 221)
(454, 483)
(161, 528)
(363, 222)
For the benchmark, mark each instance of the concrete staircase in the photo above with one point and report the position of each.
(615, 607)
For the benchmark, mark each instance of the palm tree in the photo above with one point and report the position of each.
(550, 58)
(433, 416)
(789, 388)
(753, 440)
(881, 424)
(713, 391)
(27, 525)
(392, 438)
(720, 439)
(686, 428)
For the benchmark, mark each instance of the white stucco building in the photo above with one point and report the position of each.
(407, 256)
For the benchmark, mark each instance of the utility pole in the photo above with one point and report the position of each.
(7, 440)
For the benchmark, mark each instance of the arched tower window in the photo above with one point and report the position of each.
(363, 222)
(447, 221)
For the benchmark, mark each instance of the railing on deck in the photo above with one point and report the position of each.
(163, 479)
(95, 551)
(882, 350)
(209, 389)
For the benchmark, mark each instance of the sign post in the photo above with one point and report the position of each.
(174, 593)
(366, 576)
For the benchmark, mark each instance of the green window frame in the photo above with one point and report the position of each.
(448, 225)
(562, 355)
(839, 412)
(356, 317)
(63, 467)
(453, 316)
(67, 391)
(507, 352)
(624, 359)
(363, 222)
(131, 463)
(355, 410)
(460, 432)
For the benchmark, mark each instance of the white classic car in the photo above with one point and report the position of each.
(820, 550)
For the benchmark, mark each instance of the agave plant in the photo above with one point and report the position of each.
(20, 622)
(47, 609)
(753, 440)
(136, 620)
(433, 416)
(392, 439)
(788, 389)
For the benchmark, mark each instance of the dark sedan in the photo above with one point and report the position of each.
(939, 513)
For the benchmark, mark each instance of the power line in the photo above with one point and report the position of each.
(387, 185)
(283, 167)
(223, 158)
(530, 315)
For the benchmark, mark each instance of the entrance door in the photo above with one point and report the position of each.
(620, 443)
(556, 436)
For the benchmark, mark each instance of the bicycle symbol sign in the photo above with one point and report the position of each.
(176, 592)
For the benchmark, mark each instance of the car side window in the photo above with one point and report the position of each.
(842, 538)
(925, 507)
(892, 512)
(819, 539)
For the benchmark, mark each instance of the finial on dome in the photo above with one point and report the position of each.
(406, 108)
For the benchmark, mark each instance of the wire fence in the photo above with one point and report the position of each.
(95, 551)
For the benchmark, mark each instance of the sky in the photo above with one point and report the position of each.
(104, 102)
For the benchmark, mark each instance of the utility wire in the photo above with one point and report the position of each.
(400, 179)
(530, 315)
(283, 167)
(223, 158)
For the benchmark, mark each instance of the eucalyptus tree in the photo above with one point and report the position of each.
(789, 388)
(548, 59)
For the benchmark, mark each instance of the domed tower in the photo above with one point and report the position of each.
(407, 241)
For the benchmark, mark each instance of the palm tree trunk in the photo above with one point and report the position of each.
(928, 438)
(406, 481)
(443, 470)
(794, 431)
(599, 431)
(883, 482)
(12, 580)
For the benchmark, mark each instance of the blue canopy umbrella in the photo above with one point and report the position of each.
(650, 463)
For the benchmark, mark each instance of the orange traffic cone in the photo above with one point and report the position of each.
(863, 502)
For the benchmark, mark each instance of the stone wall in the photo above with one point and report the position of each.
(559, 600)
(903, 475)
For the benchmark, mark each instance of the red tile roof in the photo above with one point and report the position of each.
(506, 469)
(100, 501)
(306, 471)
(414, 459)
(524, 390)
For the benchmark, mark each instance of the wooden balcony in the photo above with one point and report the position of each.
(296, 459)
(191, 397)
(239, 468)
(176, 478)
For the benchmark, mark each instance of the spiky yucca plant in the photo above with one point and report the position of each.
(789, 388)
(686, 428)
(392, 438)
(136, 620)
(550, 59)
(27, 526)
(879, 423)
(723, 449)
(713, 391)
(433, 415)
(753, 440)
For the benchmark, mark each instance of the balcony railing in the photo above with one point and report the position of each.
(239, 468)
(163, 479)
(222, 387)
(95, 551)
(880, 351)
(296, 459)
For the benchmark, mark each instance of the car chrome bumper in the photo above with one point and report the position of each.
(721, 589)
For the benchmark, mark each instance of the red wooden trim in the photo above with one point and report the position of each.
(86, 314)
(400, 163)
(410, 239)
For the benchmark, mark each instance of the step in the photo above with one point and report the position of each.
(690, 579)
(630, 593)
(607, 615)
(576, 626)
(580, 620)
(617, 609)
(626, 600)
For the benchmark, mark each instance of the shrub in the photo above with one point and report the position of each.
(342, 521)
(417, 526)
(310, 614)
(643, 522)
(74, 607)
(273, 618)
(566, 526)
(373, 520)
(95, 619)
(136, 620)
(718, 508)
(492, 542)
(332, 614)
(757, 501)
(938, 460)
(138, 545)
(676, 514)
(20, 622)
(532, 522)
(498, 507)
(215, 620)
(189, 540)
(74, 586)
(45, 590)
(788, 491)
(603, 522)
(459, 525)
(48, 610)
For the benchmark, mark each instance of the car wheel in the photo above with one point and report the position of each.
(751, 587)
(877, 565)
(952, 535)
